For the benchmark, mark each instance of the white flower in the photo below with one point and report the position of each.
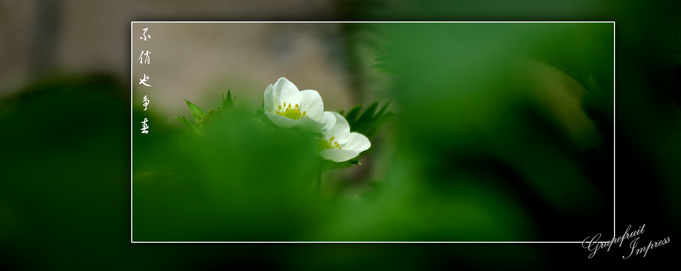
(286, 107)
(339, 144)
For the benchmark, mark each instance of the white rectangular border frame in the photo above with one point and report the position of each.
(614, 229)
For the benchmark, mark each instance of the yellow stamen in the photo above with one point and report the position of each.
(328, 144)
(296, 105)
(287, 111)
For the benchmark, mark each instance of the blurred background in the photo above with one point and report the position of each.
(504, 133)
(198, 62)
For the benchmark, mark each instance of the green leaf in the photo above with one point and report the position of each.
(227, 102)
(376, 121)
(380, 112)
(222, 106)
(379, 122)
(369, 121)
(186, 122)
(379, 67)
(382, 67)
(580, 74)
(364, 121)
(354, 161)
(385, 64)
(197, 113)
(383, 59)
(351, 117)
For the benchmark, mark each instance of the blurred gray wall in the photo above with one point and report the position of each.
(73, 37)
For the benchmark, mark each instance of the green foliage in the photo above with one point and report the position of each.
(386, 63)
(202, 118)
(383, 66)
(197, 113)
(192, 125)
(227, 102)
(581, 74)
(217, 182)
(369, 121)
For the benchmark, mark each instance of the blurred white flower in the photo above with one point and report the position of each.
(339, 144)
(286, 107)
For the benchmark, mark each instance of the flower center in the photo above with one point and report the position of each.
(328, 144)
(291, 113)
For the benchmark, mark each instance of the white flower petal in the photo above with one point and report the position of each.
(287, 92)
(309, 124)
(281, 121)
(311, 102)
(340, 130)
(339, 155)
(357, 142)
(328, 120)
(270, 101)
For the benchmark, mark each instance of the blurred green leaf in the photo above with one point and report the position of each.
(379, 121)
(369, 121)
(227, 102)
(366, 118)
(579, 73)
(192, 126)
(380, 67)
(380, 112)
(197, 113)
(351, 117)
(385, 64)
